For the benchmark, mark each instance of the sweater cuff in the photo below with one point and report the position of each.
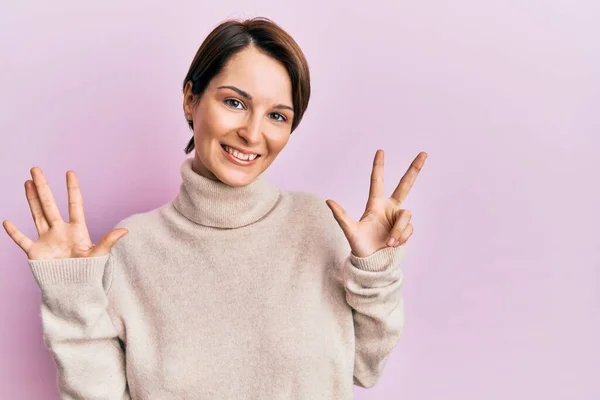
(68, 270)
(381, 260)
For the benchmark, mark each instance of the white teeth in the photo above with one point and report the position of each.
(240, 156)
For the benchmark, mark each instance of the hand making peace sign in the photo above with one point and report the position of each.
(383, 219)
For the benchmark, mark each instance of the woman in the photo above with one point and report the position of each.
(234, 289)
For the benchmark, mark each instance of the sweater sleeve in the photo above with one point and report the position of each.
(77, 329)
(373, 290)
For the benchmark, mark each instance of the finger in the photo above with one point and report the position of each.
(342, 218)
(405, 236)
(20, 239)
(108, 241)
(36, 208)
(409, 178)
(76, 213)
(376, 188)
(400, 225)
(46, 198)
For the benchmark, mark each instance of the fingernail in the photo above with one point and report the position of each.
(391, 241)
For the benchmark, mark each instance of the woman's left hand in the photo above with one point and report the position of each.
(383, 223)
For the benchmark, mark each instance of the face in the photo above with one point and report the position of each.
(243, 119)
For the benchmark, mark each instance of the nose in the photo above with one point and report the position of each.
(251, 131)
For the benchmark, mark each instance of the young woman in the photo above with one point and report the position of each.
(235, 289)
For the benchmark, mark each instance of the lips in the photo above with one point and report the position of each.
(237, 161)
(239, 150)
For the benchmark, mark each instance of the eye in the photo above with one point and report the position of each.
(278, 117)
(235, 103)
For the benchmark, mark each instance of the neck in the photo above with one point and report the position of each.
(199, 168)
(210, 202)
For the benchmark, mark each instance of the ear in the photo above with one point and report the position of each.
(188, 97)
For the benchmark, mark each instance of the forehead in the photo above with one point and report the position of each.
(262, 76)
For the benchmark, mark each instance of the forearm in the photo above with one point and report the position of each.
(373, 290)
(78, 330)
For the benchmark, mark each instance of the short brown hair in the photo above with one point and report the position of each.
(232, 36)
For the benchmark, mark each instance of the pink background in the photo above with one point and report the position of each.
(502, 277)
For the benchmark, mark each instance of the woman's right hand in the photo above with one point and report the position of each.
(58, 239)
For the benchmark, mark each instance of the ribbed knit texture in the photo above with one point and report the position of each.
(223, 293)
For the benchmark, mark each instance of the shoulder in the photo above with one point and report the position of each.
(307, 205)
(314, 216)
(143, 222)
(144, 228)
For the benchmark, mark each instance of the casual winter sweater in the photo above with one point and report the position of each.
(223, 293)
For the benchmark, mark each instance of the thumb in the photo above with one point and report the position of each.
(108, 241)
(342, 218)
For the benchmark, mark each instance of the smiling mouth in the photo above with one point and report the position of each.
(240, 156)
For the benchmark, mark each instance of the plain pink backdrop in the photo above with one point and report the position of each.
(502, 280)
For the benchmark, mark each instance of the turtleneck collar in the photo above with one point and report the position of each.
(216, 204)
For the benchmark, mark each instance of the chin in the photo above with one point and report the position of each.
(235, 178)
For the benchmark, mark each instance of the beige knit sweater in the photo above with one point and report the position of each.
(223, 293)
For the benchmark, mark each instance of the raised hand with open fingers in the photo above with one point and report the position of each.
(58, 239)
(384, 223)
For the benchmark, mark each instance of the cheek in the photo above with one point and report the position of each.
(212, 123)
(277, 141)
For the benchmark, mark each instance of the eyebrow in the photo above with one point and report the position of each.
(247, 96)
